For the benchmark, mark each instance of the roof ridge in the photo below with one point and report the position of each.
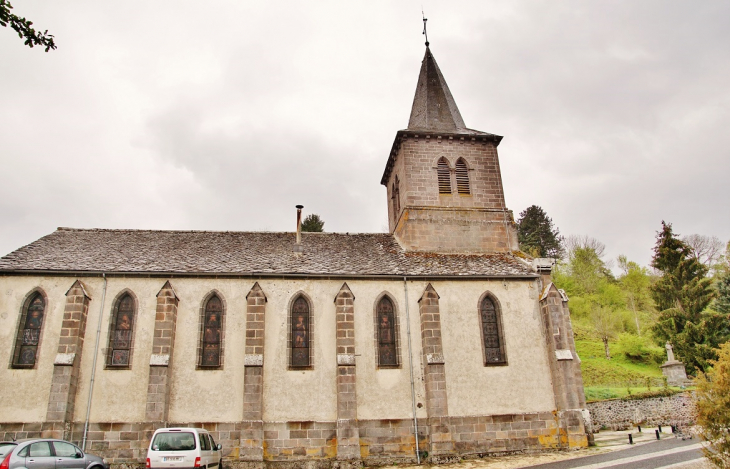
(147, 230)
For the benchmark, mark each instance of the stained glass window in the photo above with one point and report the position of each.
(122, 330)
(493, 346)
(387, 352)
(300, 333)
(26, 348)
(211, 350)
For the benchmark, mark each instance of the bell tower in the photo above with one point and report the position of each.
(443, 180)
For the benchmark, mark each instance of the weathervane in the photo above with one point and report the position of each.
(424, 26)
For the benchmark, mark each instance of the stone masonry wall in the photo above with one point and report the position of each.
(428, 220)
(621, 414)
(418, 176)
(381, 442)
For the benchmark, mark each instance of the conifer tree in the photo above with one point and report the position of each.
(682, 295)
(537, 235)
(722, 303)
(313, 223)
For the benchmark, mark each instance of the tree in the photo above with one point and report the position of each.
(706, 249)
(682, 295)
(537, 235)
(635, 282)
(594, 293)
(313, 224)
(713, 408)
(722, 302)
(607, 324)
(24, 28)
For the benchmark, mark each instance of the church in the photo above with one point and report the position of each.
(434, 342)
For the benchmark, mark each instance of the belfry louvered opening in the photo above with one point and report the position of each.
(462, 178)
(444, 176)
(395, 190)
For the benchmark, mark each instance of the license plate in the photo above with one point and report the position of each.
(172, 459)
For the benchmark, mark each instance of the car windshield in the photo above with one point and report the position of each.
(5, 448)
(174, 441)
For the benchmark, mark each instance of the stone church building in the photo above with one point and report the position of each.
(436, 341)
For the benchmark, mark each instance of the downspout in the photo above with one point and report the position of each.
(93, 367)
(410, 362)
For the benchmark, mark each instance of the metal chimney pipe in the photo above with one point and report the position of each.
(299, 223)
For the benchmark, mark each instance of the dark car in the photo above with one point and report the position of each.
(47, 454)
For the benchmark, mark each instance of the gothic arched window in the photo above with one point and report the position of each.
(211, 350)
(492, 338)
(121, 333)
(300, 333)
(29, 332)
(462, 177)
(444, 176)
(386, 333)
(396, 195)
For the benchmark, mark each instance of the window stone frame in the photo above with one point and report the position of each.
(201, 331)
(396, 328)
(500, 330)
(17, 344)
(112, 323)
(289, 317)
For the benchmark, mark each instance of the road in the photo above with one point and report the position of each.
(671, 453)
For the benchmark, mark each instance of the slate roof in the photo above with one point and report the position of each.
(434, 108)
(434, 113)
(245, 253)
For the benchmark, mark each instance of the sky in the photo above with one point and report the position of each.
(224, 115)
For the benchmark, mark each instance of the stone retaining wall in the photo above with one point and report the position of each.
(622, 414)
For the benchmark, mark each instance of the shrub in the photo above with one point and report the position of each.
(713, 407)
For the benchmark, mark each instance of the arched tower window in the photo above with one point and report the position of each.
(444, 176)
(396, 195)
(300, 333)
(492, 338)
(211, 349)
(121, 333)
(462, 177)
(29, 332)
(386, 333)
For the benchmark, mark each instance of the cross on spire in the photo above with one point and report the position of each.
(424, 27)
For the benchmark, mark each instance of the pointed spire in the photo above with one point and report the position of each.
(434, 108)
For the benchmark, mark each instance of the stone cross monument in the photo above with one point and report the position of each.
(674, 369)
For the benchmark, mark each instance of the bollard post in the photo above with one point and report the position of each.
(674, 429)
(639, 427)
(657, 434)
(631, 439)
(660, 428)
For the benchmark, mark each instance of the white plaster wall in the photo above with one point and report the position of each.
(24, 393)
(291, 394)
(524, 384)
(386, 393)
(217, 395)
(118, 395)
(200, 395)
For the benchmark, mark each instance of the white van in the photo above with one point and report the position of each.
(183, 448)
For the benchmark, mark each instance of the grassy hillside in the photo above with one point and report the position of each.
(632, 370)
